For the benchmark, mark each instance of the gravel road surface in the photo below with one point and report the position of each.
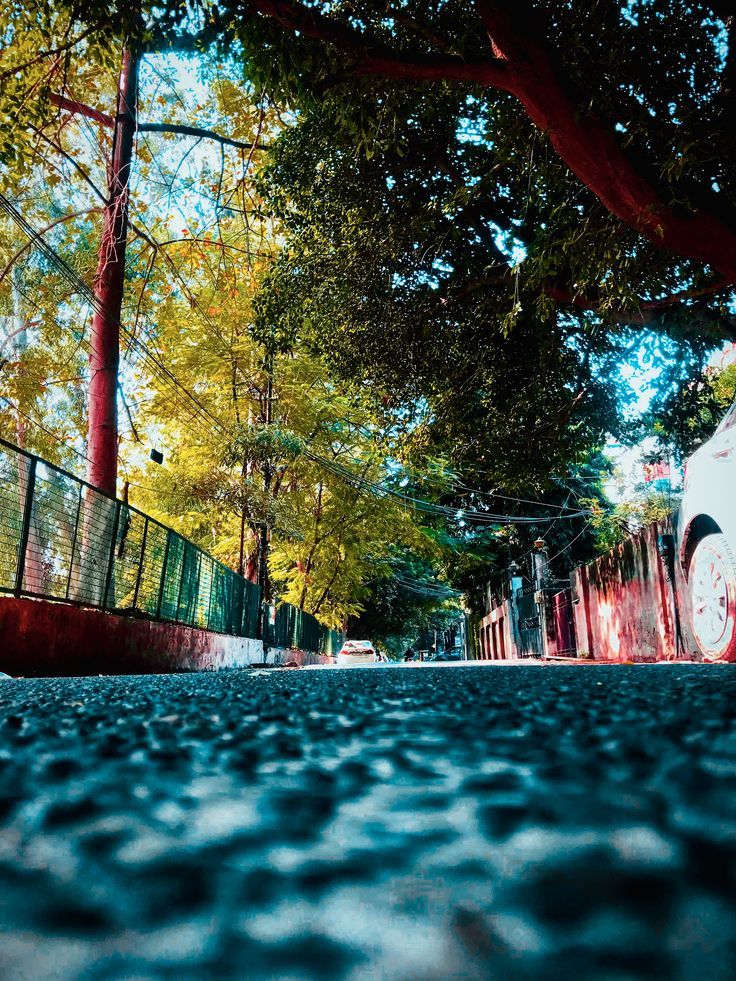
(489, 822)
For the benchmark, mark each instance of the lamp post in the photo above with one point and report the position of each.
(541, 560)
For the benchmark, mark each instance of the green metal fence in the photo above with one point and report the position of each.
(286, 626)
(62, 539)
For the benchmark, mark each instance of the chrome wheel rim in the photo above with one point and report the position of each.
(709, 594)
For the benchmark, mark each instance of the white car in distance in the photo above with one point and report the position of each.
(355, 652)
(707, 534)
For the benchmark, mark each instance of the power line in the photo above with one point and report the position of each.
(570, 543)
(40, 425)
(419, 504)
(172, 393)
(358, 481)
(77, 283)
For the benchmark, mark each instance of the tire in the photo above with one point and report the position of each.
(712, 598)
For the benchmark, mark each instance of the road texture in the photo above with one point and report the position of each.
(484, 822)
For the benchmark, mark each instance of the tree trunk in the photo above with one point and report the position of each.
(265, 536)
(590, 147)
(104, 354)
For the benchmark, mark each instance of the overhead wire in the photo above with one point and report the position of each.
(194, 303)
(49, 432)
(472, 516)
(571, 542)
(356, 480)
(437, 590)
(78, 284)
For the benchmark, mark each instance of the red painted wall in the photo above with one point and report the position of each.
(625, 604)
(42, 638)
(495, 639)
(560, 625)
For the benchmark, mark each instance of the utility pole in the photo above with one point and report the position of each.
(104, 355)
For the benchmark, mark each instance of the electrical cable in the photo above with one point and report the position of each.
(468, 516)
(570, 543)
(356, 480)
(39, 425)
(78, 284)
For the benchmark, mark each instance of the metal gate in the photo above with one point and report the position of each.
(530, 622)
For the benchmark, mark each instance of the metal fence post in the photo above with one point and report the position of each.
(198, 582)
(163, 575)
(26, 526)
(111, 558)
(140, 564)
(74, 541)
(181, 580)
(213, 590)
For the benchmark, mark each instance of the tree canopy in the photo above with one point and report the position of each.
(398, 254)
(594, 138)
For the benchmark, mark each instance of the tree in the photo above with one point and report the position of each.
(690, 412)
(416, 257)
(33, 89)
(618, 195)
(595, 136)
(235, 410)
(406, 600)
(330, 525)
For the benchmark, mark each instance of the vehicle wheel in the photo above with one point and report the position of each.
(712, 585)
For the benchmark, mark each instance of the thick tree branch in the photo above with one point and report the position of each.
(203, 134)
(674, 300)
(590, 148)
(652, 312)
(79, 108)
(523, 67)
(373, 57)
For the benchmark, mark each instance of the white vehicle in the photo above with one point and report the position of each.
(707, 533)
(357, 652)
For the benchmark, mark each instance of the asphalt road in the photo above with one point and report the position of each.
(466, 822)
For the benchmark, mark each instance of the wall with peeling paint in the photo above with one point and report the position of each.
(559, 624)
(630, 603)
(496, 640)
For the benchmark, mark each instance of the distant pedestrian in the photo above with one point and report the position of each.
(408, 654)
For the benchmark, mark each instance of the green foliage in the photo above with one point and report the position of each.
(613, 525)
(404, 599)
(689, 414)
(375, 293)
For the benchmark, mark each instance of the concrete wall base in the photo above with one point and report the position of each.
(40, 638)
(283, 655)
